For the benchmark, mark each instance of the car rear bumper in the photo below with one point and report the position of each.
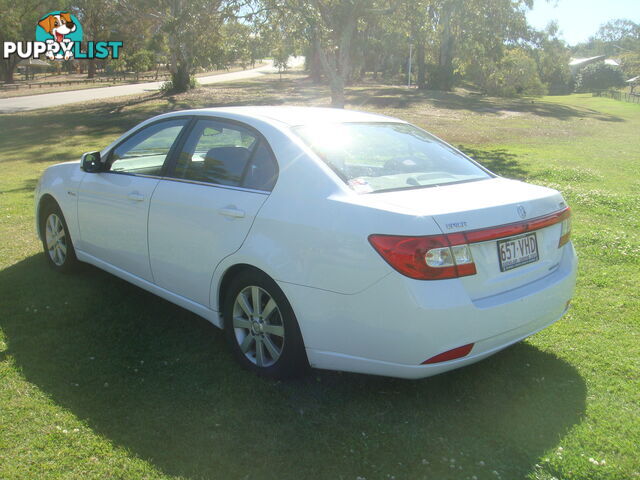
(393, 326)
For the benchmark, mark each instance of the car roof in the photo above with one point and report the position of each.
(291, 116)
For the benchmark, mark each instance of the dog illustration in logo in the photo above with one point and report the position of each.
(58, 26)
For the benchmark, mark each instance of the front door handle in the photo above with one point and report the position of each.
(135, 196)
(231, 212)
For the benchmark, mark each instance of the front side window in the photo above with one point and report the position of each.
(376, 157)
(145, 151)
(226, 154)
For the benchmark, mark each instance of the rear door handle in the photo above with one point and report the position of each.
(231, 212)
(135, 196)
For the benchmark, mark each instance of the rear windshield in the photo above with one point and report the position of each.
(375, 157)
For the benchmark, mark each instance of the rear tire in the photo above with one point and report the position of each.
(261, 327)
(56, 241)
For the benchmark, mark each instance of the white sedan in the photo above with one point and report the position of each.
(331, 238)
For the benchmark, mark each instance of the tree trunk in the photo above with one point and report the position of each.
(91, 68)
(336, 63)
(315, 66)
(8, 75)
(179, 57)
(444, 76)
(337, 92)
(445, 70)
(8, 68)
(181, 78)
(334, 74)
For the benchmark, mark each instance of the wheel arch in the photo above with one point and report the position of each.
(227, 277)
(45, 200)
(298, 347)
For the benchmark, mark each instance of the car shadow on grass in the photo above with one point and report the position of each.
(160, 382)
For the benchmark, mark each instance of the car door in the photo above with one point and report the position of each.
(113, 205)
(203, 209)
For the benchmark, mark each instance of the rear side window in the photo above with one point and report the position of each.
(226, 154)
(262, 170)
(215, 153)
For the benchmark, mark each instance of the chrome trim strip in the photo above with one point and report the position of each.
(195, 182)
(143, 175)
(216, 185)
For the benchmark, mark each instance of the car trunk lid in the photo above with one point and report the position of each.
(483, 205)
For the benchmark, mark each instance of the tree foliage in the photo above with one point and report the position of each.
(467, 35)
(487, 43)
(515, 74)
(552, 58)
(18, 24)
(599, 76)
(630, 64)
(140, 61)
(616, 38)
(192, 29)
(330, 28)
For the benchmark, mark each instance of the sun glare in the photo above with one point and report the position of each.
(329, 136)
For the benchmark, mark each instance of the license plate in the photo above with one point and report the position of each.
(517, 251)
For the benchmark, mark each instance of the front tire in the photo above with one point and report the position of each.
(261, 327)
(56, 241)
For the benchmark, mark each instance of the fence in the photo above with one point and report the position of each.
(622, 96)
(102, 79)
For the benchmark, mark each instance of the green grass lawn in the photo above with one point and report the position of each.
(99, 379)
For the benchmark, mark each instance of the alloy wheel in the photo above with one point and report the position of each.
(56, 239)
(258, 326)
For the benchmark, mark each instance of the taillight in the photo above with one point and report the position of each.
(565, 233)
(432, 257)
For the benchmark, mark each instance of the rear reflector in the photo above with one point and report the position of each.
(450, 354)
(565, 234)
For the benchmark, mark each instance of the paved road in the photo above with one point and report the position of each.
(33, 102)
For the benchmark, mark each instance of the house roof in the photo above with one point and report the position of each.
(577, 62)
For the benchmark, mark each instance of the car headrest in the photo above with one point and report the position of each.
(226, 164)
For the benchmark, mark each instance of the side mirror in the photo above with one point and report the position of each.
(91, 162)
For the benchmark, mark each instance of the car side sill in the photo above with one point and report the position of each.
(211, 315)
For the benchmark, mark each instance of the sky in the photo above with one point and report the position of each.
(580, 19)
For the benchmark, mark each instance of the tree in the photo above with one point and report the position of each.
(466, 34)
(280, 39)
(630, 64)
(552, 58)
(330, 27)
(140, 61)
(515, 74)
(192, 29)
(281, 52)
(622, 33)
(622, 38)
(95, 16)
(237, 45)
(614, 38)
(599, 76)
(18, 24)
(335, 24)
